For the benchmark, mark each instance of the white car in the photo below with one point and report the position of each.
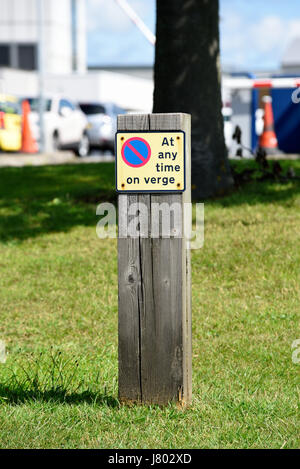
(65, 125)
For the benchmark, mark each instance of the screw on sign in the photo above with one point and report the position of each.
(136, 152)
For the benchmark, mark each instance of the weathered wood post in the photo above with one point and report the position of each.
(154, 272)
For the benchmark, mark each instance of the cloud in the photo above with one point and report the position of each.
(259, 43)
(105, 15)
(267, 34)
(253, 34)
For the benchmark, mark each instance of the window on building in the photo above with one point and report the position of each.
(23, 56)
(27, 57)
(4, 55)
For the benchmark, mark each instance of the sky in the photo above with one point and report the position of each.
(253, 33)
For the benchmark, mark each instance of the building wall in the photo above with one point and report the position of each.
(18, 21)
(18, 82)
(128, 92)
(58, 36)
(131, 93)
(143, 71)
(19, 25)
(291, 69)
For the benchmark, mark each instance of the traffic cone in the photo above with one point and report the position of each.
(29, 144)
(268, 139)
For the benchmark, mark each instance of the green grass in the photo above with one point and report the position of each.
(58, 300)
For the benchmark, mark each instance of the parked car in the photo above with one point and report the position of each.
(64, 123)
(10, 123)
(102, 123)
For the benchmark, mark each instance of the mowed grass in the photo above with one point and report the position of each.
(58, 300)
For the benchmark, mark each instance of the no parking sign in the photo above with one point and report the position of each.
(136, 152)
(150, 161)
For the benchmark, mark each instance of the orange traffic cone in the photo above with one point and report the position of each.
(29, 144)
(268, 139)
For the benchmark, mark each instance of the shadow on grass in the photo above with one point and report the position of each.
(262, 192)
(52, 376)
(12, 395)
(48, 199)
(278, 191)
(52, 199)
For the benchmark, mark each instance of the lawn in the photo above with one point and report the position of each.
(58, 297)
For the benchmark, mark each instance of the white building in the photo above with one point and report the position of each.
(290, 63)
(64, 35)
(64, 55)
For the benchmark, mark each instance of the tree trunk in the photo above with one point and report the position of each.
(187, 79)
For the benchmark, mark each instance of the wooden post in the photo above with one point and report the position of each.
(155, 290)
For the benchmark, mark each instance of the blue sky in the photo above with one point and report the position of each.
(254, 33)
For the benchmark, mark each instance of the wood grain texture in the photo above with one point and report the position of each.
(130, 289)
(154, 291)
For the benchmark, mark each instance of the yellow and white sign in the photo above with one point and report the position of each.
(152, 161)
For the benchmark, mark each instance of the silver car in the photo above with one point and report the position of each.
(102, 123)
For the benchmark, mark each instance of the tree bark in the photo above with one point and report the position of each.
(187, 79)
